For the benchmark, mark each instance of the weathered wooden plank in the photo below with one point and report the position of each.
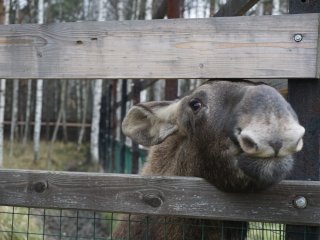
(304, 99)
(157, 195)
(232, 47)
(235, 8)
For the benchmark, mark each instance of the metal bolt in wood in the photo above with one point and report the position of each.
(300, 202)
(298, 37)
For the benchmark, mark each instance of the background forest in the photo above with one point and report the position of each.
(75, 124)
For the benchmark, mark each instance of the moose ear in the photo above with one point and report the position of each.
(151, 123)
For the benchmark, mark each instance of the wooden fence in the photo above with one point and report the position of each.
(250, 47)
(233, 47)
(156, 195)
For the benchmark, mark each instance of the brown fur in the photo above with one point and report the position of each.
(204, 144)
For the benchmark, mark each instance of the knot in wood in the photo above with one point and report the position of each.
(152, 199)
(40, 187)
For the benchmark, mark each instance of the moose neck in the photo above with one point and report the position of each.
(173, 157)
(178, 156)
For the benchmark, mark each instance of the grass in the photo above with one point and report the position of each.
(17, 223)
(65, 157)
(266, 231)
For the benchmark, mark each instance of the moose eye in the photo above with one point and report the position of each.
(195, 105)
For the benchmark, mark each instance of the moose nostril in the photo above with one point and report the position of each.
(248, 143)
(276, 145)
(299, 145)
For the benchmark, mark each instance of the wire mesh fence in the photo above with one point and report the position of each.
(18, 223)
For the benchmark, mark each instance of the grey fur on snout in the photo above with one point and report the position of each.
(271, 140)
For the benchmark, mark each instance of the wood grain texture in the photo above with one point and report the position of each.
(231, 47)
(179, 196)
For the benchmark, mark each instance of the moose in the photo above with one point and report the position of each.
(238, 135)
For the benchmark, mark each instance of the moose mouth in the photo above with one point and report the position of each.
(266, 171)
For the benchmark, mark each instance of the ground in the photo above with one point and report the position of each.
(64, 157)
(23, 223)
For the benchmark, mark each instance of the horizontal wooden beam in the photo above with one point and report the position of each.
(235, 8)
(180, 196)
(76, 125)
(231, 47)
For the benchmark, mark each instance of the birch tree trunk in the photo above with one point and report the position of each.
(102, 10)
(94, 136)
(85, 5)
(7, 11)
(84, 112)
(97, 93)
(2, 107)
(14, 115)
(37, 120)
(39, 89)
(28, 113)
(276, 7)
(3, 89)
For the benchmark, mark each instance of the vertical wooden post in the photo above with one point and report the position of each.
(135, 147)
(173, 11)
(171, 89)
(304, 96)
(124, 99)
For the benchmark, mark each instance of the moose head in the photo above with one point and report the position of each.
(238, 135)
